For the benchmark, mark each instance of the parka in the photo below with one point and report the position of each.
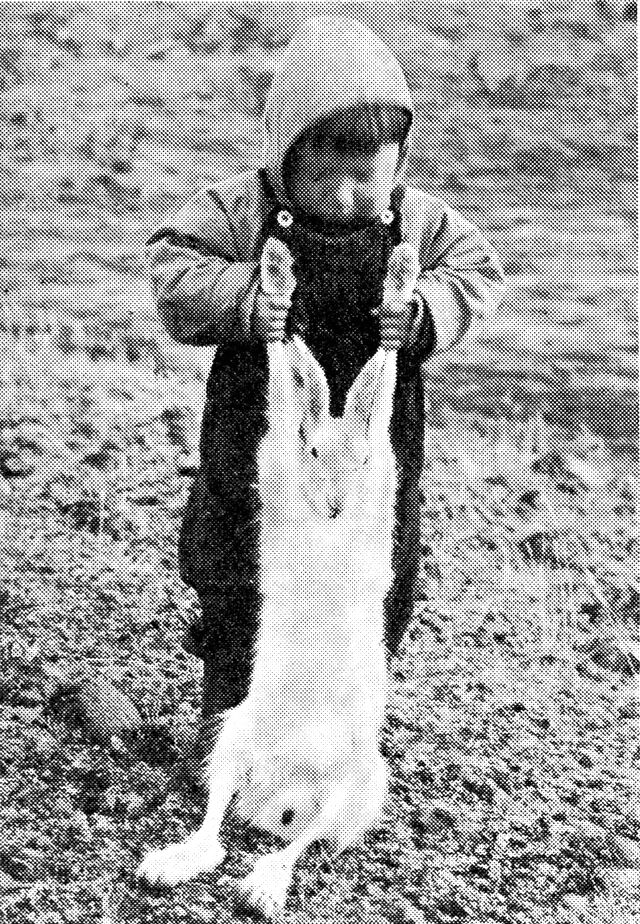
(204, 266)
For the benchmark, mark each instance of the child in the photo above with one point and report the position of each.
(337, 126)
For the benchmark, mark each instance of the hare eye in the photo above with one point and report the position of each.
(314, 452)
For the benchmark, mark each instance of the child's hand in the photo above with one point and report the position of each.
(270, 317)
(273, 299)
(276, 270)
(396, 319)
(398, 310)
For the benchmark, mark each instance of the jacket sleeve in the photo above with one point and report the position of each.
(204, 294)
(461, 283)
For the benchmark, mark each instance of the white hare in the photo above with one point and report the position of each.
(301, 751)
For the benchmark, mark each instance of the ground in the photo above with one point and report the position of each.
(512, 726)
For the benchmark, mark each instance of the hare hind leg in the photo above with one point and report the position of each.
(366, 800)
(199, 853)
(353, 804)
(202, 851)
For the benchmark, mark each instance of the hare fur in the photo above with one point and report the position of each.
(301, 751)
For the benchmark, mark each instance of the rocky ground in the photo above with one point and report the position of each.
(512, 726)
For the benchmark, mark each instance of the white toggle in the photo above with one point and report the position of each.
(387, 217)
(285, 219)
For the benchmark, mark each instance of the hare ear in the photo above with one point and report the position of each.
(281, 388)
(309, 374)
(369, 402)
(383, 401)
(361, 395)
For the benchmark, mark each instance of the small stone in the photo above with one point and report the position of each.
(610, 654)
(135, 806)
(575, 902)
(546, 870)
(630, 709)
(30, 698)
(501, 774)
(8, 883)
(592, 833)
(408, 913)
(375, 891)
(42, 744)
(624, 880)
(102, 824)
(594, 779)
(117, 745)
(629, 850)
(103, 710)
(79, 824)
(585, 759)
(478, 784)
(442, 812)
(14, 467)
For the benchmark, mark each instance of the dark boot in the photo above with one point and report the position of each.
(225, 681)
(221, 690)
(192, 769)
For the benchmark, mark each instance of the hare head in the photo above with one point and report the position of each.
(334, 454)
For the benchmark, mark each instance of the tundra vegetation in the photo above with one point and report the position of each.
(511, 726)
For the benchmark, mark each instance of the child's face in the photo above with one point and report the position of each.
(343, 187)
